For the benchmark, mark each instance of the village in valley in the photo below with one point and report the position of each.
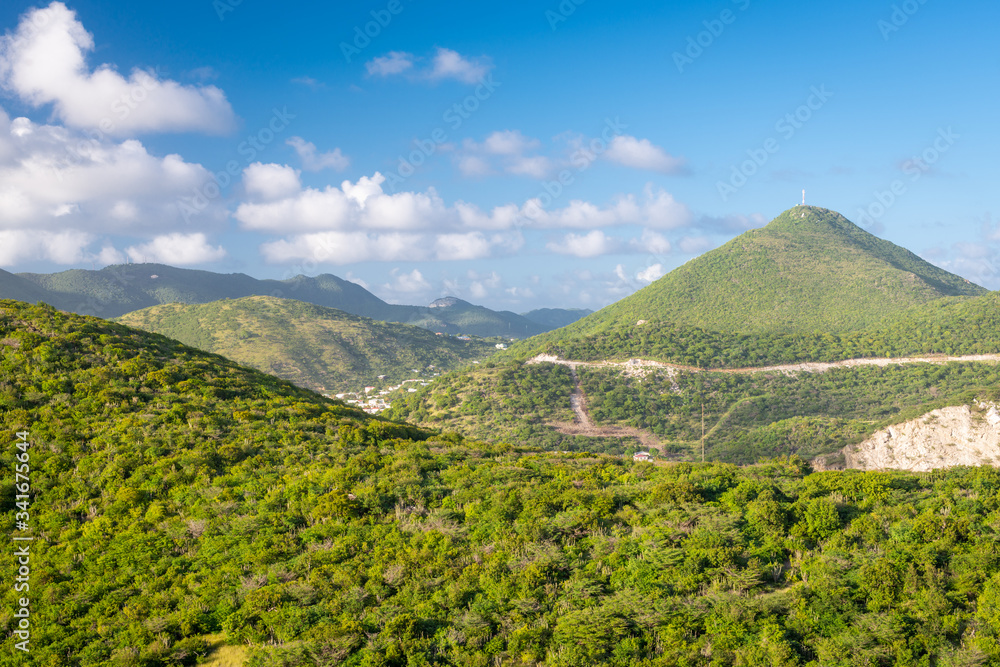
(374, 400)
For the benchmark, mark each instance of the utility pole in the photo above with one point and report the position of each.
(703, 432)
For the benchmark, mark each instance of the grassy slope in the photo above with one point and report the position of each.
(818, 273)
(315, 347)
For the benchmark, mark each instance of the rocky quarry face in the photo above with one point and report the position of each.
(954, 436)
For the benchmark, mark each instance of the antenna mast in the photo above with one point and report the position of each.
(803, 197)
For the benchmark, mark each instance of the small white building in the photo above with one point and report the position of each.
(642, 456)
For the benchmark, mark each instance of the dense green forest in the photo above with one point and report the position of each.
(948, 326)
(177, 496)
(315, 347)
(748, 416)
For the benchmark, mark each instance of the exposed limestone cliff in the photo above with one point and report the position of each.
(952, 436)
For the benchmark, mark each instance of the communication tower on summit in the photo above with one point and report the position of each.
(803, 197)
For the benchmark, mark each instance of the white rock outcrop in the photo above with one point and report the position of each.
(953, 436)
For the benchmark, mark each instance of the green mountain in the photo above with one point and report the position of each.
(319, 348)
(809, 269)
(16, 287)
(555, 318)
(875, 299)
(116, 290)
(184, 510)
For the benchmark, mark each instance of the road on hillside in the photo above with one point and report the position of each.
(583, 425)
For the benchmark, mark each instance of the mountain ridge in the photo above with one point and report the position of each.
(119, 289)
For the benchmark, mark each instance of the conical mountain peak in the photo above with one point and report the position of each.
(809, 269)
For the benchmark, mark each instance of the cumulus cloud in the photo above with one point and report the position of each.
(509, 151)
(407, 283)
(270, 181)
(591, 244)
(509, 142)
(44, 62)
(177, 249)
(450, 64)
(55, 178)
(445, 64)
(313, 160)
(342, 247)
(62, 247)
(653, 242)
(657, 209)
(650, 273)
(642, 154)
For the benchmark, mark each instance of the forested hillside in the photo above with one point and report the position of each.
(948, 326)
(177, 498)
(318, 348)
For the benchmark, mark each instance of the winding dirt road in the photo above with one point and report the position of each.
(583, 425)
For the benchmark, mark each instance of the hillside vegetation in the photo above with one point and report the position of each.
(177, 498)
(808, 270)
(950, 326)
(319, 348)
(116, 290)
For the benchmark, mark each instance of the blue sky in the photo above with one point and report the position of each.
(514, 154)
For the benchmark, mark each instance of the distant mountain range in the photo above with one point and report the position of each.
(319, 348)
(116, 290)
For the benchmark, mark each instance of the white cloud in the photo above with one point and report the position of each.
(54, 178)
(509, 142)
(652, 242)
(177, 249)
(642, 154)
(537, 166)
(407, 283)
(651, 273)
(395, 62)
(446, 64)
(44, 62)
(315, 161)
(450, 64)
(309, 82)
(343, 247)
(18, 246)
(509, 149)
(592, 244)
(473, 165)
(271, 181)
